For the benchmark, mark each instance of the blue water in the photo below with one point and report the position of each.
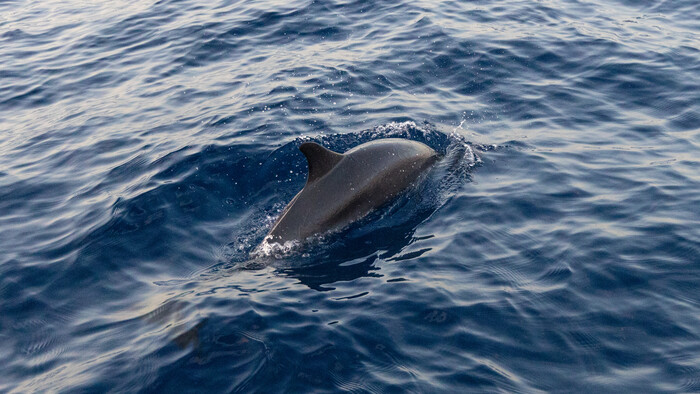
(147, 147)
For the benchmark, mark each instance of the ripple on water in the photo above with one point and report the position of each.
(148, 147)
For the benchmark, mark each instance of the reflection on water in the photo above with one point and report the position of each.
(147, 148)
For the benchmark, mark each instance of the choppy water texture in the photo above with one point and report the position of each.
(147, 147)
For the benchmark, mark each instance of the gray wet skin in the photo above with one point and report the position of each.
(342, 188)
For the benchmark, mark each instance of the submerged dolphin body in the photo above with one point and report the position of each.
(342, 188)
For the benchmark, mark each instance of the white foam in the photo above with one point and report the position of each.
(275, 249)
(396, 127)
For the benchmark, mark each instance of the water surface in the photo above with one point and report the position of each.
(146, 148)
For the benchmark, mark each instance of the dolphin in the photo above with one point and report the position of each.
(342, 188)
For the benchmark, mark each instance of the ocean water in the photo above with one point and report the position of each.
(147, 147)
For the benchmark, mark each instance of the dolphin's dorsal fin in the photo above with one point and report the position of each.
(320, 159)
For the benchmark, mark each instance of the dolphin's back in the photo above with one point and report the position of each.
(358, 181)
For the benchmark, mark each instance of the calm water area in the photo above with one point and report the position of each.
(146, 149)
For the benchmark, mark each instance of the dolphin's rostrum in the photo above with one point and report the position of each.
(342, 188)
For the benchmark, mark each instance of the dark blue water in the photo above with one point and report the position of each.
(147, 147)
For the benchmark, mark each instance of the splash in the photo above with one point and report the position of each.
(275, 249)
(396, 127)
